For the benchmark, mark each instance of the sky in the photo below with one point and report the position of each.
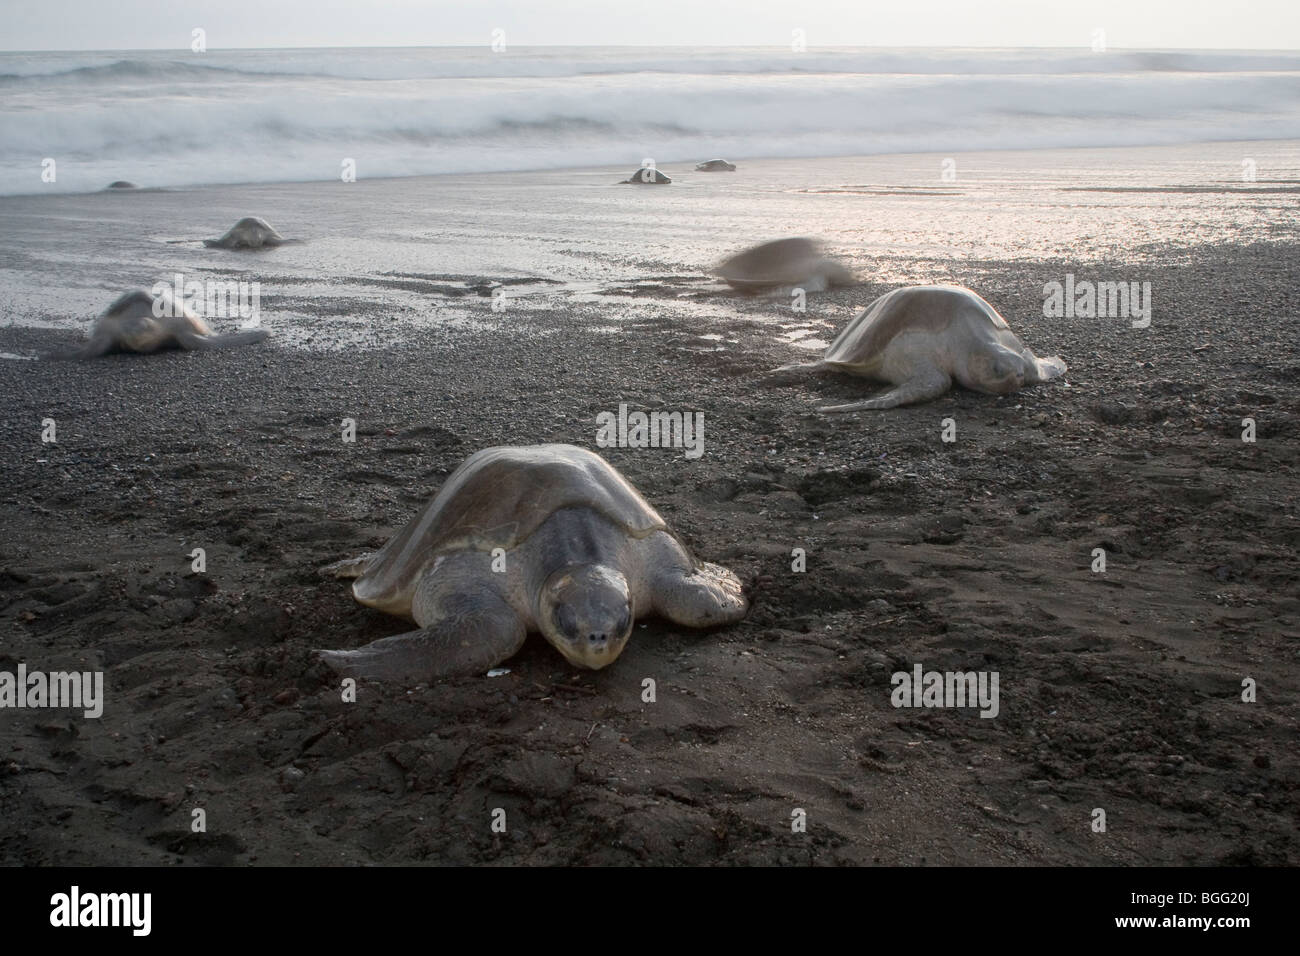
(1130, 24)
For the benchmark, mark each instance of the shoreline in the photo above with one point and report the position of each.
(399, 254)
(602, 169)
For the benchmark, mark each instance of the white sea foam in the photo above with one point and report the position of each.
(171, 119)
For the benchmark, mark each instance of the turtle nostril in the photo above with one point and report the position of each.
(596, 638)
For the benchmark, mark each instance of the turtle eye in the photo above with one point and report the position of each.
(566, 622)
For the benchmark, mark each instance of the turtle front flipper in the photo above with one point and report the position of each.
(348, 567)
(706, 596)
(101, 343)
(1044, 369)
(792, 374)
(237, 338)
(926, 385)
(193, 341)
(457, 645)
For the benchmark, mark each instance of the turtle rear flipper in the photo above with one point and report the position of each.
(454, 646)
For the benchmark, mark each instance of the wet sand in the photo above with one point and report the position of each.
(1119, 690)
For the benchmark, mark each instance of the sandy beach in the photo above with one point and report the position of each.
(445, 314)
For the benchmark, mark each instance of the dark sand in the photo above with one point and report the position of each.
(1118, 691)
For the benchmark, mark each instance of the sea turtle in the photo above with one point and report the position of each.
(921, 339)
(142, 322)
(646, 175)
(783, 263)
(543, 538)
(121, 184)
(249, 233)
(716, 166)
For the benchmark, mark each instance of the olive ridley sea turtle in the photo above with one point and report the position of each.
(142, 322)
(646, 175)
(249, 233)
(921, 339)
(543, 538)
(783, 263)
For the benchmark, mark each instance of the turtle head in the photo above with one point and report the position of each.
(998, 374)
(586, 612)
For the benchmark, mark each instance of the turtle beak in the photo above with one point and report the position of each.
(595, 647)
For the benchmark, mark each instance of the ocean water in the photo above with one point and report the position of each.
(169, 119)
(382, 257)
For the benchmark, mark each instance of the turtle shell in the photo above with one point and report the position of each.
(927, 308)
(648, 174)
(139, 304)
(496, 499)
(249, 232)
(772, 264)
(254, 227)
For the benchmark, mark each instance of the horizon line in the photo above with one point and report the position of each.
(1082, 48)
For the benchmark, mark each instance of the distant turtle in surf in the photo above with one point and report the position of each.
(133, 324)
(121, 184)
(783, 263)
(646, 175)
(249, 233)
(716, 166)
(543, 538)
(923, 338)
